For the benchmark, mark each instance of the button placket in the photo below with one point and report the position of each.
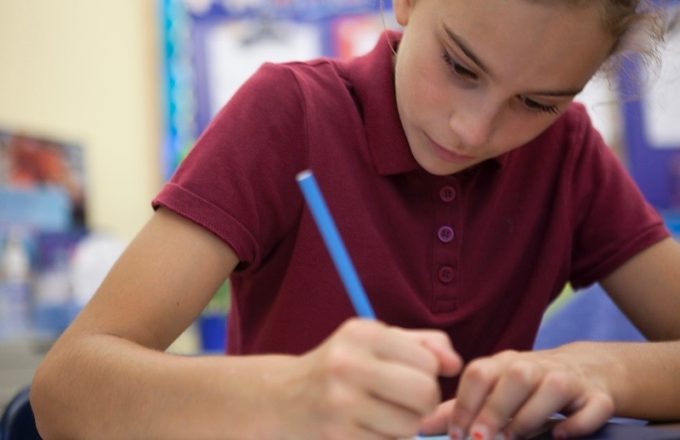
(446, 249)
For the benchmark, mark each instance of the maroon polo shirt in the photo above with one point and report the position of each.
(479, 254)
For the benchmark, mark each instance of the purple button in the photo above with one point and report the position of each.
(445, 234)
(447, 194)
(445, 274)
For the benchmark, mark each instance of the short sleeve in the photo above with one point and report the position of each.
(613, 220)
(238, 181)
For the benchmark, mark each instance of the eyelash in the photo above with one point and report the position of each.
(457, 68)
(467, 75)
(534, 106)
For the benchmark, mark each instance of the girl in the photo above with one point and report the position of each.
(469, 190)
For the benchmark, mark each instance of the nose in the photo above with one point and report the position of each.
(473, 124)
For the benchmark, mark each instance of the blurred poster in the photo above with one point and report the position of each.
(237, 48)
(357, 35)
(41, 182)
(660, 98)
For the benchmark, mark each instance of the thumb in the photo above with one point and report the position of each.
(437, 422)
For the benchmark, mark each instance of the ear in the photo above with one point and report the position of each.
(402, 10)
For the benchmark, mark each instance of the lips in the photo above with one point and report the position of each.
(447, 155)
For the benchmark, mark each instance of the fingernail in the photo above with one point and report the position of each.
(455, 433)
(479, 432)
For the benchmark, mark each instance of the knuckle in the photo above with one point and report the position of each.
(352, 326)
(507, 355)
(478, 372)
(338, 362)
(558, 382)
(523, 372)
(604, 402)
(439, 338)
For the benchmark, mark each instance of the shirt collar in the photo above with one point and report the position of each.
(372, 76)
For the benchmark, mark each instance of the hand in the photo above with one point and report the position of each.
(366, 381)
(515, 393)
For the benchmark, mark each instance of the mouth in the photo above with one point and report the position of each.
(448, 155)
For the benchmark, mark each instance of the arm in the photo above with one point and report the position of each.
(588, 381)
(647, 289)
(107, 376)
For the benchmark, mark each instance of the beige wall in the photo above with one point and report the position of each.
(87, 71)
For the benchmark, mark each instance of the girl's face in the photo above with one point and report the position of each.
(475, 79)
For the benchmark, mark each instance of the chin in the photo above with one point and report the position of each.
(443, 169)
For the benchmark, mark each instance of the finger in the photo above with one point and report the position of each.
(353, 413)
(404, 386)
(450, 362)
(354, 432)
(517, 383)
(389, 380)
(389, 343)
(556, 391)
(440, 344)
(361, 404)
(594, 413)
(386, 418)
(477, 381)
(411, 347)
(438, 421)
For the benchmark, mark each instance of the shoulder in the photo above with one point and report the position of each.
(290, 89)
(321, 72)
(574, 143)
(573, 128)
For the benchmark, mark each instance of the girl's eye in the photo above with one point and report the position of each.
(458, 68)
(534, 106)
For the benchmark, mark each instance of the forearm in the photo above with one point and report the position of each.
(643, 378)
(105, 387)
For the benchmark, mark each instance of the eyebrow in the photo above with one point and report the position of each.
(465, 49)
(463, 46)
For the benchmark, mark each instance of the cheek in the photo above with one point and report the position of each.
(422, 72)
(516, 130)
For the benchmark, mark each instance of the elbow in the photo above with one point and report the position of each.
(50, 421)
(40, 403)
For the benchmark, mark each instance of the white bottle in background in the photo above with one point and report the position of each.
(15, 271)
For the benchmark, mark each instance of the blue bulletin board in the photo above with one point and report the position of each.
(203, 65)
(650, 98)
(195, 32)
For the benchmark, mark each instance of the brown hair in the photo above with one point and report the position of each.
(637, 26)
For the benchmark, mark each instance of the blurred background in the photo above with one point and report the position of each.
(100, 100)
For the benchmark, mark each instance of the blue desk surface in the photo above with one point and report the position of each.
(613, 431)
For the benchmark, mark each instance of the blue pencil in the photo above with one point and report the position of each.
(334, 244)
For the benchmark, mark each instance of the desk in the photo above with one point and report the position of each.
(614, 431)
(19, 360)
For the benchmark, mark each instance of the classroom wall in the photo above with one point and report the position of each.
(88, 71)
